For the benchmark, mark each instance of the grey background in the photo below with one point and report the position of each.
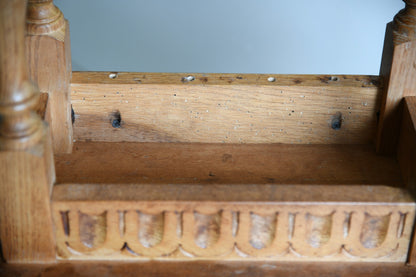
(245, 36)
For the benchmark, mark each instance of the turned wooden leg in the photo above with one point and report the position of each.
(26, 159)
(49, 58)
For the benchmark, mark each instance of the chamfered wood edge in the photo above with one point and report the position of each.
(232, 193)
(94, 77)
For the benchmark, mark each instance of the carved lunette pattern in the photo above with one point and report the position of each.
(183, 231)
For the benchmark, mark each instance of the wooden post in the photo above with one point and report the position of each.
(26, 160)
(49, 56)
(398, 69)
(406, 155)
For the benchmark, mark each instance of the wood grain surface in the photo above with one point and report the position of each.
(230, 202)
(48, 50)
(205, 269)
(224, 108)
(26, 183)
(188, 163)
(298, 80)
(397, 71)
(238, 231)
(26, 159)
(401, 83)
(406, 155)
(231, 192)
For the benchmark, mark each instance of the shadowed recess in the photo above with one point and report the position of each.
(263, 230)
(318, 229)
(207, 229)
(92, 229)
(65, 222)
(200, 163)
(374, 230)
(122, 222)
(151, 229)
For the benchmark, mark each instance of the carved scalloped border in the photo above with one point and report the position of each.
(232, 231)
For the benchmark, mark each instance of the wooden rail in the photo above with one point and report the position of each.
(232, 230)
(225, 108)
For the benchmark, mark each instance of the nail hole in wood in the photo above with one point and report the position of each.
(115, 119)
(336, 121)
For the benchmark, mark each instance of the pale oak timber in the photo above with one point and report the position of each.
(407, 147)
(297, 80)
(26, 159)
(235, 202)
(198, 163)
(406, 155)
(209, 268)
(224, 108)
(49, 56)
(231, 192)
(233, 230)
(399, 71)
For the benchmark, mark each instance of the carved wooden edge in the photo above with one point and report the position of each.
(406, 155)
(174, 230)
(228, 192)
(44, 18)
(224, 79)
(397, 71)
